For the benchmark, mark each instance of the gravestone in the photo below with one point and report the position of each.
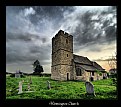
(89, 88)
(29, 87)
(105, 76)
(30, 80)
(20, 87)
(48, 85)
(17, 74)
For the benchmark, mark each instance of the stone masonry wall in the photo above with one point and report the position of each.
(97, 76)
(85, 76)
(59, 72)
(55, 72)
(66, 57)
(62, 55)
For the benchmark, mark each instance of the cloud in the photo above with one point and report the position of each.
(23, 52)
(29, 11)
(88, 25)
(29, 30)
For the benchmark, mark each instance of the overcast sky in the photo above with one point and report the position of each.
(29, 30)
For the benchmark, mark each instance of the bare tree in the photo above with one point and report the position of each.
(113, 62)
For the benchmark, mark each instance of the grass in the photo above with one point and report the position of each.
(104, 89)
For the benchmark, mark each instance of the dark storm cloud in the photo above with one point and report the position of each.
(22, 52)
(50, 13)
(40, 49)
(28, 29)
(35, 19)
(87, 32)
(22, 37)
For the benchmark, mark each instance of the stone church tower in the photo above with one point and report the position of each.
(62, 55)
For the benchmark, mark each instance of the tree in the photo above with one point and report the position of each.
(99, 72)
(38, 69)
(113, 62)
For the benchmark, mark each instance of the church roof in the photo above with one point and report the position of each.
(97, 66)
(81, 59)
(88, 67)
(86, 64)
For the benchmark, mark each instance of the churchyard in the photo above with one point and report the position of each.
(36, 87)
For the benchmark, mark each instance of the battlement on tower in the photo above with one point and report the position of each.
(62, 55)
(62, 33)
(62, 40)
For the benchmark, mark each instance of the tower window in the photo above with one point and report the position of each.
(66, 41)
(67, 55)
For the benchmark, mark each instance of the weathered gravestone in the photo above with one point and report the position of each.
(105, 76)
(20, 87)
(29, 87)
(30, 80)
(89, 88)
(48, 85)
(17, 74)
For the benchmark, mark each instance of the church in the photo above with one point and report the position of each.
(68, 66)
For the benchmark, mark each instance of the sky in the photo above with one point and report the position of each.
(29, 32)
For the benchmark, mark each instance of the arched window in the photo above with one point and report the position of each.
(78, 72)
(67, 55)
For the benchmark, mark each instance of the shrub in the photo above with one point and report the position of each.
(23, 76)
(12, 75)
(99, 72)
(114, 80)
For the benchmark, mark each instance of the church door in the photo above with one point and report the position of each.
(67, 76)
(91, 79)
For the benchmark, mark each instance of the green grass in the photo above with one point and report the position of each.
(104, 89)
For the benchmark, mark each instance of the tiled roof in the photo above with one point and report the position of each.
(81, 59)
(97, 66)
(86, 64)
(88, 67)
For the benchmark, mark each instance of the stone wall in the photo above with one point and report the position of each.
(66, 42)
(97, 76)
(55, 72)
(62, 55)
(59, 72)
(56, 58)
(62, 41)
(86, 76)
(66, 57)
